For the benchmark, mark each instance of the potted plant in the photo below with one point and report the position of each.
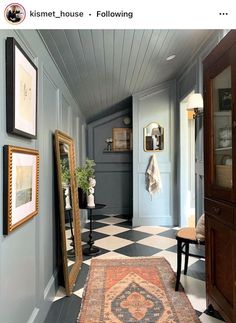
(83, 175)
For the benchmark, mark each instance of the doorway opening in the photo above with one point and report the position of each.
(187, 165)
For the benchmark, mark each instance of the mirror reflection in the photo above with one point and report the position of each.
(153, 137)
(69, 211)
(66, 188)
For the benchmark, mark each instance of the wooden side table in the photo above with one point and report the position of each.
(91, 249)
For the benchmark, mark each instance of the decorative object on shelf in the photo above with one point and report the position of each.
(225, 99)
(225, 133)
(225, 137)
(84, 174)
(224, 143)
(21, 186)
(127, 121)
(226, 160)
(153, 137)
(21, 91)
(195, 103)
(122, 138)
(92, 183)
(109, 144)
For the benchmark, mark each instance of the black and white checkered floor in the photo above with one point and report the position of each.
(116, 238)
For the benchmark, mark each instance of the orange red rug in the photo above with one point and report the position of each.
(131, 290)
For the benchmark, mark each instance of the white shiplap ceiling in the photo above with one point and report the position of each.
(104, 67)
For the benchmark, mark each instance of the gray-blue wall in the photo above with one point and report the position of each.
(155, 105)
(28, 270)
(113, 170)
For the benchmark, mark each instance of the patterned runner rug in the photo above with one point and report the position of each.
(134, 290)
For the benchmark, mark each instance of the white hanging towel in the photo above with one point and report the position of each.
(154, 183)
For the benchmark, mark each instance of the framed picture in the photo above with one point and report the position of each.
(122, 138)
(225, 99)
(20, 186)
(21, 91)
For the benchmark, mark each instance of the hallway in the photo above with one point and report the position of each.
(116, 238)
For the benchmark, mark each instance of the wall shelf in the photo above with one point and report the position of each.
(117, 151)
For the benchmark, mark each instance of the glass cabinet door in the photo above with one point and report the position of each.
(222, 128)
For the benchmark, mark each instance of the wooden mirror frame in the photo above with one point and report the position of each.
(69, 277)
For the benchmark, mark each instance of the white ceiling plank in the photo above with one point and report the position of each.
(118, 52)
(108, 43)
(92, 67)
(137, 43)
(160, 59)
(146, 60)
(104, 67)
(140, 58)
(97, 36)
(76, 81)
(127, 46)
(154, 58)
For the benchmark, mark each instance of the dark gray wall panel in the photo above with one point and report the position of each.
(115, 190)
(113, 170)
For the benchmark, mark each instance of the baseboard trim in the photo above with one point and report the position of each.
(39, 314)
(161, 221)
(50, 285)
(33, 316)
(114, 210)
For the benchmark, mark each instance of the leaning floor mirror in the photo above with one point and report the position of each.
(69, 210)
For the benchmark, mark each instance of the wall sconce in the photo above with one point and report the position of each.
(195, 104)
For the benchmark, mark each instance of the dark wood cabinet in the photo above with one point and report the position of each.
(220, 176)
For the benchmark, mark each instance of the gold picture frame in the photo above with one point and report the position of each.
(121, 139)
(20, 186)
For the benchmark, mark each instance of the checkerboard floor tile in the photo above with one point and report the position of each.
(116, 238)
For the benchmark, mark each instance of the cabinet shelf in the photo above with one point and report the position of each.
(223, 148)
(223, 113)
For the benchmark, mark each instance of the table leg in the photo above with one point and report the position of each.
(90, 249)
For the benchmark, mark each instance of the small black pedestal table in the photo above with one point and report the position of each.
(91, 249)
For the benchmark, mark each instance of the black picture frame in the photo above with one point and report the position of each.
(225, 99)
(21, 91)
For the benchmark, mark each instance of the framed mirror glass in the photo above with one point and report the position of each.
(69, 210)
(153, 137)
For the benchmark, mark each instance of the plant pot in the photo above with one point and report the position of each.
(82, 198)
